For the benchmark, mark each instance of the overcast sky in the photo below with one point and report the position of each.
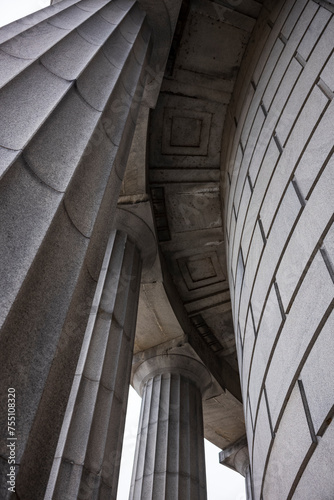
(222, 483)
(10, 10)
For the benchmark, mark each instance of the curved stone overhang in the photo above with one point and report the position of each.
(185, 303)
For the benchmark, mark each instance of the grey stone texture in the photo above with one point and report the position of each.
(240, 178)
(281, 146)
(317, 480)
(319, 392)
(291, 445)
(60, 179)
(91, 437)
(262, 441)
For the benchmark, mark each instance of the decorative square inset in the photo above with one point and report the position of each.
(193, 207)
(201, 270)
(185, 132)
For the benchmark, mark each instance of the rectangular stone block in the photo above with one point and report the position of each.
(296, 11)
(238, 283)
(317, 480)
(10, 67)
(316, 152)
(310, 74)
(249, 150)
(278, 78)
(260, 186)
(329, 244)
(308, 309)
(314, 31)
(291, 444)
(327, 74)
(234, 174)
(253, 258)
(262, 440)
(249, 426)
(301, 132)
(317, 376)
(311, 225)
(268, 330)
(248, 352)
(245, 198)
(274, 54)
(281, 228)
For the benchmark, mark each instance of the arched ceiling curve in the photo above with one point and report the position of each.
(185, 298)
(184, 159)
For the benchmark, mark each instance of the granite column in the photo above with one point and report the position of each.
(87, 460)
(72, 80)
(169, 458)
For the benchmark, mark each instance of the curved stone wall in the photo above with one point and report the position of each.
(279, 200)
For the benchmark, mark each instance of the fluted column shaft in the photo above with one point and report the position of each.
(71, 86)
(87, 459)
(169, 459)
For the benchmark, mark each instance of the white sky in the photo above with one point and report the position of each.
(10, 10)
(222, 483)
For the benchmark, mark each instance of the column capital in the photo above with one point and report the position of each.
(180, 364)
(133, 219)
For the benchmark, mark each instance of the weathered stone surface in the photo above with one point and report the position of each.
(262, 441)
(277, 194)
(285, 159)
(310, 306)
(91, 436)
(29, 219)
(91, 5)
(33, 41)
(319, 391)
(69, 57)
(7, 157)
(117, 49)
(313, 32)
(114, 12)
(26, 102)
(292, 442)
(316, 153)
(268, 329)
(327, 73)
(283, 223)
(95, 30)
(68, 130)
(47, 299)
(88, 186)
(40, 309)
(10, 67)
(102, 71)
(317, 479)
(312, 224)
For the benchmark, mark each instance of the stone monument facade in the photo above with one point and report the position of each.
(166, 207)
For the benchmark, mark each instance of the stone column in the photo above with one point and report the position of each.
(169, 459)
(71, 85)
(87, 459)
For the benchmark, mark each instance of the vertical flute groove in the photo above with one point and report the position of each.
(88, 456)
(174, 451)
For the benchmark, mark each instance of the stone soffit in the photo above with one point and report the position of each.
(182, 152)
